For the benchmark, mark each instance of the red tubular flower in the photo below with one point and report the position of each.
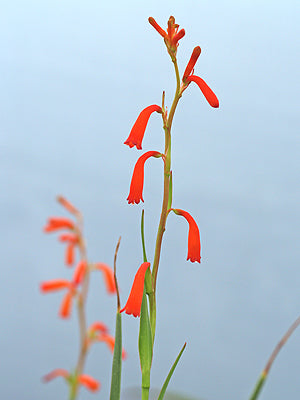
(137, 181)
(134, 302)
(70, 254)
(189, 68)
(79, 272)
(66, 305)
(157, 27)
(137, 132)
(108, 275)
(205, 89)
(56, 223)
(72, 241)
(98, 327)
(56, 284)
(55, 373)
(90, 383)
(194, 245)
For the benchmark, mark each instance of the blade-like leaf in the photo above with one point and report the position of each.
(165, 385)
(115, 388)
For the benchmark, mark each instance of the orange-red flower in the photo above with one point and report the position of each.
(71, 238)
(90, 383)
(55, 373)
(134, 302)
(137, 132)
(172, 36)
(57, 223)
(72, 241)
(194, 246)
(110, 341)
(205, 89)
(108, 275)
(71, 286)
(190, 66)
(58, 284)
(137, 181)
(85, 380)
(79, 272)
(188, 77)
(99, 332)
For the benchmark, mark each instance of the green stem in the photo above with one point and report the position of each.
(167, 177)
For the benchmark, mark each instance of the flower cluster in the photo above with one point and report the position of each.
(171, 37)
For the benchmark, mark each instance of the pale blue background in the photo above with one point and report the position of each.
(74, 76)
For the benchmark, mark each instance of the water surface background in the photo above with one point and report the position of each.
(74, 77)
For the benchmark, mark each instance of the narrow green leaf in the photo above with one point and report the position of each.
(145, 347)
(143, 236)
(258, 387)
(165, 385)
(115, 388)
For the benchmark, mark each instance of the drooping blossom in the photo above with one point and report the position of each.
(79, 272)
(85, 380)
(172, 36)
(97, 328)
(205, 89)
(72, 241)
(90, 383)
(134, 302)
(110, 342)
(137, 181)
(99, 332)
(71, 286)
(188, 77)
(71, 238)
(108, 275)
(137, 132)
(58, 223)
(55, 373)
(194, 246)
(58, 284)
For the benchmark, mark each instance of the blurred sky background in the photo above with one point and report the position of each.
(74, 77)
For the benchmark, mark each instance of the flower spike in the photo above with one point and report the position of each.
(194, 245)
(137, 181)
(134, 302)
(205, 89)
(137, 132)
